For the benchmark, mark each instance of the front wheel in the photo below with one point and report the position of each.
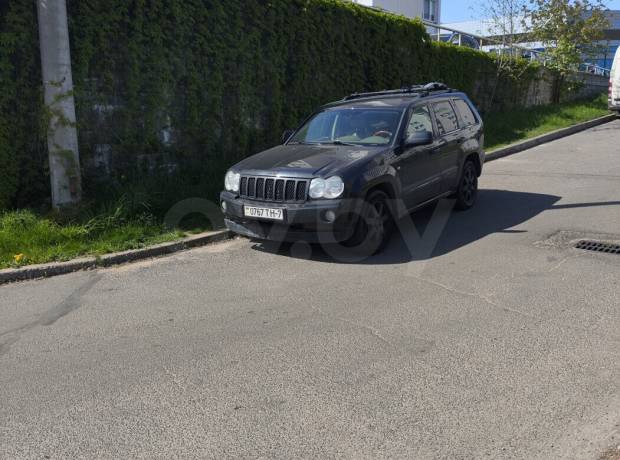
(468, 186)
(374, 225)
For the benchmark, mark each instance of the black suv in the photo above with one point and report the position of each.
(356, 165)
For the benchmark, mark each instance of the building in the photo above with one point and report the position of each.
(612, 40)
(425, 9)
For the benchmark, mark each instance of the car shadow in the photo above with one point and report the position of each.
(436, 229)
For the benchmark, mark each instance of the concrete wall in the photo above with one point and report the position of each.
(489, 96)
(592, 85)
(541, 91)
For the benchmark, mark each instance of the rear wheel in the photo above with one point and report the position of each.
(468, 186)
(374, 225)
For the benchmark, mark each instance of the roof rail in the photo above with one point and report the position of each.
(423, 90)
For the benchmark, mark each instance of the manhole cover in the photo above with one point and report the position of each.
(598, 246)
(611, 454)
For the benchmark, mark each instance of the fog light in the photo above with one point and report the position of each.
(330, 216)
(224, 206)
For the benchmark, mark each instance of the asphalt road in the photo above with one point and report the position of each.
(503, 342)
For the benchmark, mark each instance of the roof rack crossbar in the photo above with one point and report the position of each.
(415, 89)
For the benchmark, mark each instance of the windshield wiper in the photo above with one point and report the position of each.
(337, 142)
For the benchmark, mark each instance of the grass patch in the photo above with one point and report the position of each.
(517, 125)
(26, 238)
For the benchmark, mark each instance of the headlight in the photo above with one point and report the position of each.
(317, 187)
(231, 181)
(333, 187)
(326, 188)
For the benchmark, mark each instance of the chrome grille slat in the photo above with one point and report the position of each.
(276, 189)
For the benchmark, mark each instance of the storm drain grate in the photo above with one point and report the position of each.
(598, 246)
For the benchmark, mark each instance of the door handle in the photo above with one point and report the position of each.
(441, 143)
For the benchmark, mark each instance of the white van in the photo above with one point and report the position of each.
(613, 99)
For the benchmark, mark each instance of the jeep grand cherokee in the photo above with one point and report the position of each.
(356, 165)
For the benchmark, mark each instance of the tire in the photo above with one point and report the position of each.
(468, 187)
(374, 225)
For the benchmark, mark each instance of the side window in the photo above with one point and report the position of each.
(420, 121)
(467, 115)
(446, 118)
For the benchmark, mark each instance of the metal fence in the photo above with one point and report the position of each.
(493, 45)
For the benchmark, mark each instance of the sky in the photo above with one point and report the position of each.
(459, 10)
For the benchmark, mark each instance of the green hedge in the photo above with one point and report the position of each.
(222, 78)
(22, 138)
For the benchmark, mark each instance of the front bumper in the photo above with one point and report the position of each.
(302, 221)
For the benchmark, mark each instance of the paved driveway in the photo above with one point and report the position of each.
(504, 342)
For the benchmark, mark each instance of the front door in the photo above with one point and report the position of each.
(419, 170)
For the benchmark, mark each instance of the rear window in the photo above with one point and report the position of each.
(464, 109)
(446, 118)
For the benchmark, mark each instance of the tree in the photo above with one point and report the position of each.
(505, 21)
(64, 160)
(568, 29)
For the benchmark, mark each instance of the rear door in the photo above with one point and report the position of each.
(471, 137)
(448, 156)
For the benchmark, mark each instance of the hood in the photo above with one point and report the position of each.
(302, 160)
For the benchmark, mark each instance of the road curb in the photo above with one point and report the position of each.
(548, 137)
(88, 263)
(10, 275)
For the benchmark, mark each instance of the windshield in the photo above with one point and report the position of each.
(350, 126)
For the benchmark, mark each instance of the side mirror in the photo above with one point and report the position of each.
(286, 135)
(419, 138)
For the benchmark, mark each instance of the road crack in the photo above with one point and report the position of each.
(374, 332)
(482, 297)
(71, 303)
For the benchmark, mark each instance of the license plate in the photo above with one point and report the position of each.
(264, 213)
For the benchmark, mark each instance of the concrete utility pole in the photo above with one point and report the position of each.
(62, 141)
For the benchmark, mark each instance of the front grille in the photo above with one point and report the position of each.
(274, 189)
